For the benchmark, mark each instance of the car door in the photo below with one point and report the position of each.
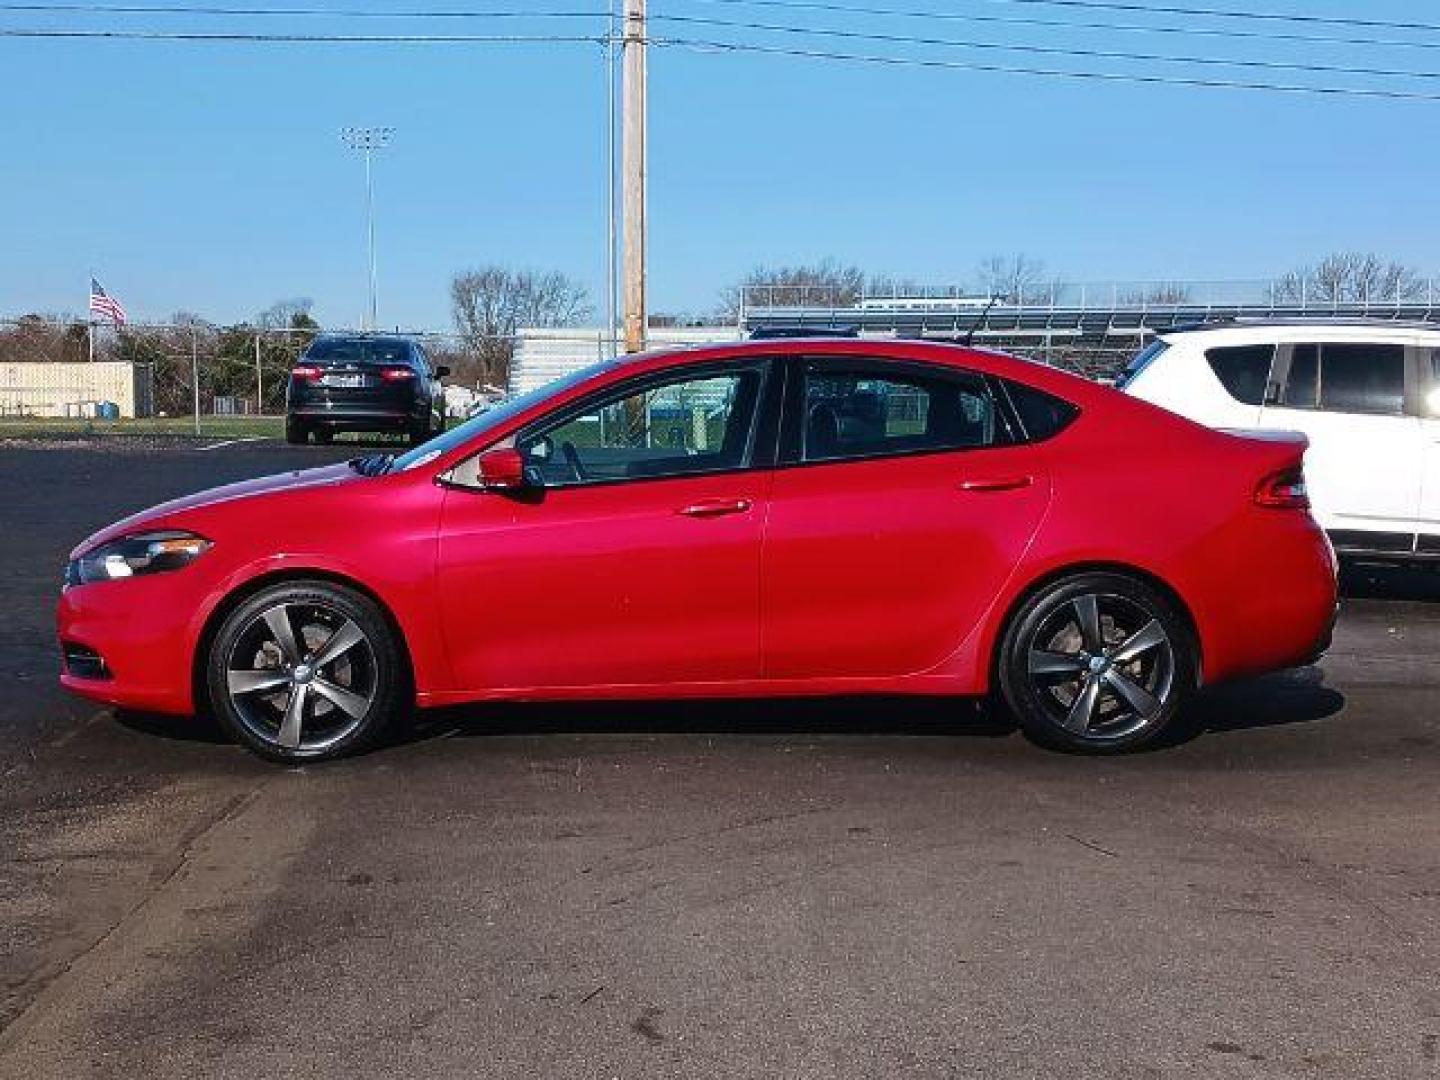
(1428, 364)
(897, 513)
(632, 555)
(1363, 465)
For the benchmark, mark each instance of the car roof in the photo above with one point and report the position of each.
(945, 354)
(383, 339)
(1346, 324)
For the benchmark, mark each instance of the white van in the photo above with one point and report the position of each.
(1366, 393)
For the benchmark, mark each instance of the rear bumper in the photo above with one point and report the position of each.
(338, 415)
(1279, 601)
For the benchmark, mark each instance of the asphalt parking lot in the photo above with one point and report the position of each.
(826, 889)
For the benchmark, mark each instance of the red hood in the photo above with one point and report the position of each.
(166, 514)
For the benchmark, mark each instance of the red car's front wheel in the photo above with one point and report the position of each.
(1096, 662)
(305, 671)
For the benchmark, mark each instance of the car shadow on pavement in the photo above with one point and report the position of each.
(1287, 698)
(1299, 696)
(869, 715)
(1361, 581)
(195, 729)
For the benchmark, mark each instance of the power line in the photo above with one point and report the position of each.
(345, 13)
(1129, 7)
(1055, 73)
(1051, 50)
(1222, 13)
(1229, 33)
(735, 47)
(805, 5)
(337, 39)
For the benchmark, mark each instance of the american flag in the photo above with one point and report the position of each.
(102, 303)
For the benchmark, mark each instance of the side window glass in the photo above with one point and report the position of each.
(864, 414)
(1042, 415)
(1244, 370)
(700, 424)
(1304, 377)
(1363, 378)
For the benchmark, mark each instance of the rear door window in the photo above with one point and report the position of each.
(1346, 377)
(1244, 370)
(875, 411)
(1363, 378)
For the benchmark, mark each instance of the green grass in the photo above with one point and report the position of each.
(211, 427)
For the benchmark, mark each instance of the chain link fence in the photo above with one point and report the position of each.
(65, 370)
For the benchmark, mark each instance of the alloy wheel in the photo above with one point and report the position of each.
(302, 676)
(1102, 666)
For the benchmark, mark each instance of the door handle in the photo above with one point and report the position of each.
(996, 483)
(708, 508)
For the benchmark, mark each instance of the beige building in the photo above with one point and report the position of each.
(75, 390)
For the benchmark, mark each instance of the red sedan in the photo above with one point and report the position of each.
(767, 518)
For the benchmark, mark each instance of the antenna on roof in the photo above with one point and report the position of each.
(979, 319)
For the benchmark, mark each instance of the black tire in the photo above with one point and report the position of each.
(346, 701)
(420, 433)
(296, 433)
(1096, 663)
(324, 436)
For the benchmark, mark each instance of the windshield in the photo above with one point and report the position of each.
(325, 351)
(491, 419)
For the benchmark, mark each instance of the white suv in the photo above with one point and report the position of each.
(1366, 393)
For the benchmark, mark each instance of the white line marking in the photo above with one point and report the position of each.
(234, 442)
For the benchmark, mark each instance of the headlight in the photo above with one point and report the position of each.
(131, 556)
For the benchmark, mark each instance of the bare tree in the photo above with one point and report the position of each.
(291, 314)
(490, 303)
(44, 337)
(1350, 277)
(822, 284)
(1013, 278)
(1160, 294)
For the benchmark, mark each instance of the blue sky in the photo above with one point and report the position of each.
(210, 178)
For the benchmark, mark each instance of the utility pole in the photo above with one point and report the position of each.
(367, 140)
(634, 170)
(259, 380)
(612, 287)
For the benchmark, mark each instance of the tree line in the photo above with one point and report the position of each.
(490, 304)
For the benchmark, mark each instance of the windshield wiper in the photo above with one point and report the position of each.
(373, 464)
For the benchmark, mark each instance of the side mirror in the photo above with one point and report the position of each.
(441, 371)
(502, 470)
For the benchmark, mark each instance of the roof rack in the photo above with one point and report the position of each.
(1226, 321)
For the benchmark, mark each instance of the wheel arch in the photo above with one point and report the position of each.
(247, 589)
(1054, 574)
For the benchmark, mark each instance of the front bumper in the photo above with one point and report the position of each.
(128, 643)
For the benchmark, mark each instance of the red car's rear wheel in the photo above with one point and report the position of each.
(1096, 662)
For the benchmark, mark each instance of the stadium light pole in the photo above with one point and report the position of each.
(367, 140)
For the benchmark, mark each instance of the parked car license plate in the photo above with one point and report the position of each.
(345, 381)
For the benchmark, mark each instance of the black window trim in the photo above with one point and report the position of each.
(757, 456)
(791, 449)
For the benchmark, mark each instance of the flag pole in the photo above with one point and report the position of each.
(90, 314)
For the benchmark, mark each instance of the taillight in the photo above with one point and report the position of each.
(305, 373)
(1284, 490)
(396, 374)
